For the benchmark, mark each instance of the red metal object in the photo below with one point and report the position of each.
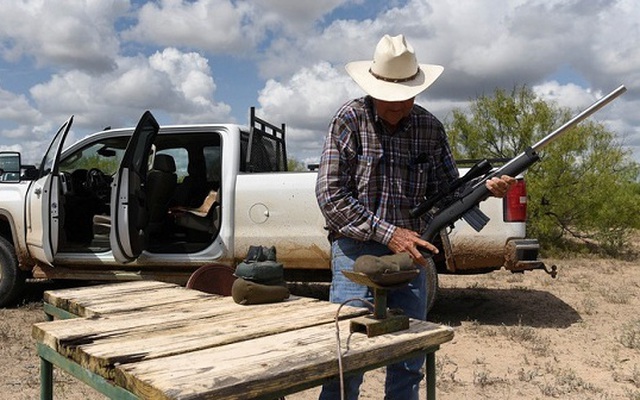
(515, 202)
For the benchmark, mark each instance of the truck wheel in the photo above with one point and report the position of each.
(432, 284)
(12, 279)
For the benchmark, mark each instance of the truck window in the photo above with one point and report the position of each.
(181, 158)
(198, 161)
(47, 162)
(212, 159)
(104, 155)
(10, 166)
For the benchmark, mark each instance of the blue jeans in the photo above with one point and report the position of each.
(403, 379)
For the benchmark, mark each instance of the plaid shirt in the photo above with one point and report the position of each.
(369, 178)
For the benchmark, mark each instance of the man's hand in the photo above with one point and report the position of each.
(405, 240)
(499, 186)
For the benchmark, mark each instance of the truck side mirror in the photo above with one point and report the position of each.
(29, 173)
(9, 166)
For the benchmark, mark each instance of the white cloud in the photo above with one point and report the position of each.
(188, 73)
(225, 26)
(307, 97)
(306, 102)
(73, 34)
(178, 83)
(23, 117)
(210, 25)
(570, 95)
(33, 141)
(295, 17)
(16, 108)
(170, 82)
(483, 46)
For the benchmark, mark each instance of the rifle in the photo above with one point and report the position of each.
(466, 206)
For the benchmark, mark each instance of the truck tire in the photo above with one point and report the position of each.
(432, 284)
(12, 279)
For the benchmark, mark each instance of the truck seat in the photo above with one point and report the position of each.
(161, 184)
(202, 218)
(193, 187)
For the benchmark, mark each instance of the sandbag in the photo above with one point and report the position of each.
(246, 292)
(370, 265)
(261, 253)
(263, 272)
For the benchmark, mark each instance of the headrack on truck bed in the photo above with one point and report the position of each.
(263, 147)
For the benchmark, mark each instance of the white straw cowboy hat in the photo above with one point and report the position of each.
(394, 74)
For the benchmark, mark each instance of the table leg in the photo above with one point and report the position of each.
(46, 380)
(431, 376)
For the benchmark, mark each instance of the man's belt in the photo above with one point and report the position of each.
(333, 236)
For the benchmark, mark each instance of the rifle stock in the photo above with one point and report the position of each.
(457, 208)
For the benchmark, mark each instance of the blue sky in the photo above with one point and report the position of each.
(210, 60)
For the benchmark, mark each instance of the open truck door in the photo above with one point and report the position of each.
(45, 217)
(129, 203)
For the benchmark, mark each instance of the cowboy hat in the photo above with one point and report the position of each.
(394, 74)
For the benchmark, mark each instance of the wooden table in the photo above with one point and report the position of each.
(154, 340)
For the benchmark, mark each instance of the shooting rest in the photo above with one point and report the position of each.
(382, 320)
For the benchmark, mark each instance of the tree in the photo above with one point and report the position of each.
(501, 126)
(586, 186)
(294, 164)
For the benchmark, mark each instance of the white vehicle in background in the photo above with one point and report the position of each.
(159, 202)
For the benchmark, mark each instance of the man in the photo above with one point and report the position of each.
(382, 156)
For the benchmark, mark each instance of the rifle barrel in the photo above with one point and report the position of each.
(578, 118)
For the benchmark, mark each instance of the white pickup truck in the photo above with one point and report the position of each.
(158, 202)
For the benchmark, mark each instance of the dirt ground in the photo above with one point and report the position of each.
(517, 336)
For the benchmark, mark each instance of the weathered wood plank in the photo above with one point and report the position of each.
(110, 324)
(137, 302)
(120, 338)
(92, 300)
(192, 335)
(275, 363)
(51, 333)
